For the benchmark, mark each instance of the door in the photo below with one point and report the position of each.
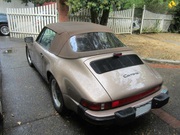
(41, 47)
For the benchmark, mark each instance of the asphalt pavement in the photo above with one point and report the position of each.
(28, 109)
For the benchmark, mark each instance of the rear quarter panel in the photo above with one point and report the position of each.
(77, 81)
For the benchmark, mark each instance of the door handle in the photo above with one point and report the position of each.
(41, 55)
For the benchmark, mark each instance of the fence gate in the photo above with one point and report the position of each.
(121, 21)
(25, 22)
(152, 22)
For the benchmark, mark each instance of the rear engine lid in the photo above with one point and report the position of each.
(123, 75)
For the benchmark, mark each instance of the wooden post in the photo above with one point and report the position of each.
(132, 18)
(142, 21)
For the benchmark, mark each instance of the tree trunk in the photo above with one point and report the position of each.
(104, 18)
(94, 16)
(63, 10)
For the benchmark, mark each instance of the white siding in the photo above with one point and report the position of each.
(13, 4)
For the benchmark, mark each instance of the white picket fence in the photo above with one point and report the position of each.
(152, 22)
(119, 21)
(29, 21)
(25, 22)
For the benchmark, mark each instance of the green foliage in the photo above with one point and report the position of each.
(177, 17)
(96, 5)
(175, 11)
(99, 8)
(126, 4)
(157, 6)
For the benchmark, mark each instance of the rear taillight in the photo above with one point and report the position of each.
(117, 103)
(95, 106)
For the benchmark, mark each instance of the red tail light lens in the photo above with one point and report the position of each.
(117, 103)
(95, 106)
(134, 98)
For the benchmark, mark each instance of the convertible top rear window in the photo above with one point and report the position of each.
(94, 41)
(113, 63)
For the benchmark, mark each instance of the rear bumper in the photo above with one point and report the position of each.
(123, 116)
(160, 100)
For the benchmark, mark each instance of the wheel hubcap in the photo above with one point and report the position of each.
(5, 30)
(55, 96)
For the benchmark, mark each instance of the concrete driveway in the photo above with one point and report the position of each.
(28, 109)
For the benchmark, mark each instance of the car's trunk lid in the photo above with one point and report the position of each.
(122, 75)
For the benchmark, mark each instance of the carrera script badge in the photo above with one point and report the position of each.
(131, 74)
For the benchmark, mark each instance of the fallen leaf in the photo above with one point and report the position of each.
(19, 123)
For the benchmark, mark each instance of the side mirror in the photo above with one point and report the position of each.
(29, 39)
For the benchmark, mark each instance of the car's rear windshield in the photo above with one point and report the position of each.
(94, 41)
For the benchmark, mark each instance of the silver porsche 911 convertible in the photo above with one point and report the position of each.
(91, 72)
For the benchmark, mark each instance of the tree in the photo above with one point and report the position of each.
(157, 6)
(63, 10)
(175, 26)
(126, 4)
(99, 8)
(177, 17)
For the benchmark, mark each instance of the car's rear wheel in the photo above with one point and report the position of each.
(28, 56)
(4, 29)
(57, 97)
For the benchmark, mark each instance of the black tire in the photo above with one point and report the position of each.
(4, 30)
(28, 56)
(57, 97)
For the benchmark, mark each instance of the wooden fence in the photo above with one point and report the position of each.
(119, 21)
(152, 22)
(29, 21)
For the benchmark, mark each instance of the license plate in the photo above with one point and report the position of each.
(143, 109)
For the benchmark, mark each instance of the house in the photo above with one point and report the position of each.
(13, 4)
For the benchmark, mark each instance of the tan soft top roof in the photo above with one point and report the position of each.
(73, 28)
(65, 30)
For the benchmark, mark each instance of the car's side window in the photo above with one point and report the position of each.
(46, 38)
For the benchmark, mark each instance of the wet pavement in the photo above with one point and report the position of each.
(28, 109)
